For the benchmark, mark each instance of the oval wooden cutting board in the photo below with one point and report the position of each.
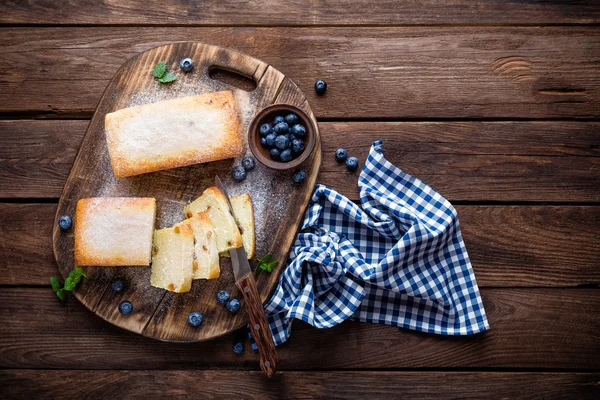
(279, 204)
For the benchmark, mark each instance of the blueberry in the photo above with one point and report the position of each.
(248, 163)
(299, 176)
(286, 155)
(341, 155)
(271, 139)
(64, 222)
(222, 297)
(265, 129)
(352, 163)
(281, 128)
(125, 307)
(263, 142)
(299, 130)
(239, 173)
(233, 305)
(297, 146)
(320, 87)
(119, 285)
(275, 154)
(186, 64)
(292, 119)
(195, 319)
(282, 142)
(278, 119)
(238, 347)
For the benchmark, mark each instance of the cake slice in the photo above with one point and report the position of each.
(114, 231)
(227, 234)
(244, 217)
(172, 258)
(206, 263)
(173, 133)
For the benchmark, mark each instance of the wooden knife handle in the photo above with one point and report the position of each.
(258, 325)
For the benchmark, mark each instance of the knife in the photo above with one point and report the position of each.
(244, 280)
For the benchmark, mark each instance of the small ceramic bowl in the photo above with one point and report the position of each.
(266, 116)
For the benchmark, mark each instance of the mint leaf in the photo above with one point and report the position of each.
(159, 69)
(61, 295)
(55, 284)
(168, 77)
(78, 272)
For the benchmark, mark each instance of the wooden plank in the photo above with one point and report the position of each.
(530, 328)
(505, 161)
(231, 384)
(279, 12)
(372, 72)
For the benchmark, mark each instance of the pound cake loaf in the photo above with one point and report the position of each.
(226, 231)
(114, 231)
(206, 262)
(173, 258)
(173, 133)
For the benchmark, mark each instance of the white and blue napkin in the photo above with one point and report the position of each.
(399, 260)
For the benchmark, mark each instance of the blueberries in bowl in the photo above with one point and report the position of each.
(263, 142)
(286, 155)
(281, 128)
(299, 131)
(239, 173)
(291, 119)
(297, 146)
(271, 139)
(278, 119)
(282, 142)
(265, 129)
(274, 154)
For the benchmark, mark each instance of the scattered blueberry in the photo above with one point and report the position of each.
(195, 319)
(271, 139)
(297, 146)
(65, 222)
(352, 163)
(286, 155)
(233, 305)
(265, 129)
(281, 128)
(275, 154)
(186, 64)
(278, 119)
(119, 285)
(248, 163)
(222, 297)
(292, 119)
(239, 173)
(282, 142)
(341, 155)
(125, 307)
(238, 347)
(299, 176)
(320, 87)
(263, 142)
(299, 130)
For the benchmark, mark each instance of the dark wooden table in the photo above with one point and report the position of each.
(495, 103)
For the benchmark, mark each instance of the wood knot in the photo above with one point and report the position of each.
(513, 67)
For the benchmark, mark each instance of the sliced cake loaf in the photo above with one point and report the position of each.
(114, 231)
(173, 258)
(226, 231)
(173, 133)
(244, 217)
(206, 263)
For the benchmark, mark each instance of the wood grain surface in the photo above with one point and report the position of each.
(371, 72)
(538, 161)
(509, 246)
(530, 329)
(19, 384)
(157, 313)
(280, 12)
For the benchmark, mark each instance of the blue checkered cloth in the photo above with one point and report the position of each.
(400, 260)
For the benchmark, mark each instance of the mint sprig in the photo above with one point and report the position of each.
(265, 264)
(160, 72)
(69, 285)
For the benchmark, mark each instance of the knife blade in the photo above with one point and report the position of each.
(244, 280)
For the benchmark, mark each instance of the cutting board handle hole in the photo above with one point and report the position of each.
(231, 77)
